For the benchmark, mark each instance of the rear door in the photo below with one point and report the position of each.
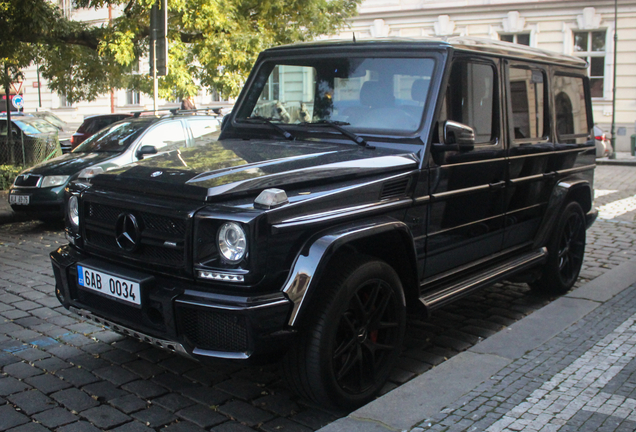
(531, 174)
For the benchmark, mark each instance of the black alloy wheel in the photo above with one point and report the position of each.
(353, 338)
(365, 337)
(565, 252)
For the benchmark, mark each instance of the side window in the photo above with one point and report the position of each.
(528, 103)
(570, 109)
(471, 99)
(204, 130)
(166, 136)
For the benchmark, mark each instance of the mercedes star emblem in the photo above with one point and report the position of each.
(127, 232)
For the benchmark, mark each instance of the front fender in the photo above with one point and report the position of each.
(316, 253)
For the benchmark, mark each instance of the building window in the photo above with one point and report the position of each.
(518, 38)
(590, 45)
(132, 97)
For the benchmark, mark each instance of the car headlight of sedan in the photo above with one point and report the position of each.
(232, 242)
(73, 210)
(52, 181)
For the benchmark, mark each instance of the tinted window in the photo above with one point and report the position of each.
(166, 136)
(204, 130)
(116, 138)
(570, 109)
(470, 99)
(528, 103)
(372, 93)
(35, 126)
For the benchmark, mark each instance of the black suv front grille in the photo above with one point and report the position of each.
(162, 237)
(212, 330)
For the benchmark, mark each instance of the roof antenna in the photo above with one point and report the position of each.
(354, 37)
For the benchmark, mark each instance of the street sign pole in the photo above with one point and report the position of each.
(7, 92)
(155, 82)
(158, 45)
(613, 141)
(39, 92)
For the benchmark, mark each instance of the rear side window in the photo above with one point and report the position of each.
(204, 130)
(570, 109)
(166, 136)
(528, 103)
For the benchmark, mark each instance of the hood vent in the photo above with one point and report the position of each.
(395, 188)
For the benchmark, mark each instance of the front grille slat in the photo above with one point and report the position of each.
(159, 234)
(27, 180)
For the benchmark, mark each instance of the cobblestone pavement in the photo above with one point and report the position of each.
(61, 373)
(584, 379)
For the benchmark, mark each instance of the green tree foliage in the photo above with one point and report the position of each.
(214, 42)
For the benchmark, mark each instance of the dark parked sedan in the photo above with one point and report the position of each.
(39, 190)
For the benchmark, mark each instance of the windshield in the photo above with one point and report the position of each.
(54, 120)
(367, 93)
(35, 126)
(115, 138)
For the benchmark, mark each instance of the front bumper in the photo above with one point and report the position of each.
(179, 315)
(44, 203)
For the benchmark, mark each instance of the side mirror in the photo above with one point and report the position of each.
(145, 150)
(460, 134)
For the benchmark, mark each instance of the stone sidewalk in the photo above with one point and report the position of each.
(570, 366)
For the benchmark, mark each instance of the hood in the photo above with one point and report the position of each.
(71, 163)
(232, 167)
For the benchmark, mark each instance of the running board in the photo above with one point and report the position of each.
(448, 294)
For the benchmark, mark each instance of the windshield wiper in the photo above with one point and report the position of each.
(268, 121)
(337, 125)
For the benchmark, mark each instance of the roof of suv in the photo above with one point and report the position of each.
(460, 43)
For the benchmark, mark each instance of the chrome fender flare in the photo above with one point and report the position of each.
(316, 252)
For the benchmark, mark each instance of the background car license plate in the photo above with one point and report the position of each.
(109, 285)
(19, 199)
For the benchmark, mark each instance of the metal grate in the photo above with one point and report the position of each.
(213, 331)
(162, 237)
(27, 150)
(27, 180)
(163, 224)
(394, 188)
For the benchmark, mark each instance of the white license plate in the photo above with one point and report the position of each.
(19, 199)
(109, 285)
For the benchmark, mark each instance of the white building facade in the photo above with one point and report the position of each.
(580, 28)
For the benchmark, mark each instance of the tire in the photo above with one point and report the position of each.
(348, 348)
(565, 253)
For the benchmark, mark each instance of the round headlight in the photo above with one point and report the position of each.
(73, 210)
(232, 241)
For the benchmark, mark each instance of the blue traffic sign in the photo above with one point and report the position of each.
(18, 101)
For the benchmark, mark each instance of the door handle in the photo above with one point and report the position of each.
(498, 185)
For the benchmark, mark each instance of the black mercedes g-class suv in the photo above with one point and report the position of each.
(353, 181)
